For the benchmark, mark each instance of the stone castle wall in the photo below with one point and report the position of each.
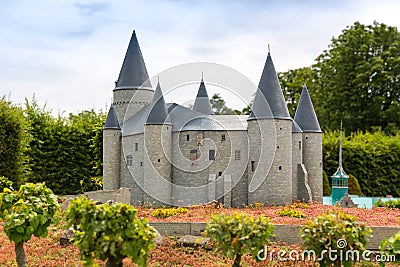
(312, 158)
(122, 98)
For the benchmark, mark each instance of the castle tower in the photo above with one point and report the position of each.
(133, 83)
(202, 103)
(270, 141)
(111, 151)
(306, 118)
(340, 180)
(158, 142)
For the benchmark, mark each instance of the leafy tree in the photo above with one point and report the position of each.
(358, 78)
(326, 185)
(14, 140)
(218, 105)
(335, 231)
(239, 234)
(109, 232)
(354, 186)
(27, 212)
(292, 83)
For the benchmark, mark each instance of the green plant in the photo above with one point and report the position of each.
(290, 212)
(335, 231)
(91, 184)
(327, 190)
(239, 234)
(354, 186)
(5, 183)
(109, 232)
(168, 212)
(391, 204)
(391, 246)
(27, 212)
(14, 143)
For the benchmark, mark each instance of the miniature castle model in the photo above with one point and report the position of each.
(171, 155)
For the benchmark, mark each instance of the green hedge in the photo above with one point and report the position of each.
(14, 140)
(64, 150)
(374, 158)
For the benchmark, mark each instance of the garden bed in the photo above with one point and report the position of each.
(371, 217)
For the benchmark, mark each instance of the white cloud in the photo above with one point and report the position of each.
(69, 54)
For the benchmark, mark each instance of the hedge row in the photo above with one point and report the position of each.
(373, 158)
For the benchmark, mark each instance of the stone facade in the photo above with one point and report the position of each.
(170, 155)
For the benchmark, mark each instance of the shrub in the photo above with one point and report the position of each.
(14, 142)
(91, 184)
(388, 204)
(27, 212)
(289, 212)
(391, 246)
(168, 212)
(354, 186)
(239, 234)
(110, 232)
(5, 183)
(327, 190)
(335, 231)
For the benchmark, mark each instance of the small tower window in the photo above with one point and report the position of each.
(280, 167)
(299, 144)
(129, 160)
(253, 165)
(136, 146)
(223, 137)
(187, 137)
(200, 137)
(158, 160)
(237, 154)
(277, 147)
(219, 174)
(306, 137)
(211, 154)
(193, 155)
(141, 164)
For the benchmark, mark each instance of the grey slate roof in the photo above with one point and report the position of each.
(305, 114)
(184, 119)
(112, 120)
(202, 103)
(158, 110)
(133, 73)
(296, 128)
(269, 101)
(217, 123)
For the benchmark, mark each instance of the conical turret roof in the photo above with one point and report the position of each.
(112, 120)
(305, 114)
(158, 111)
(202, 103)
(269, 101)
(133, 72)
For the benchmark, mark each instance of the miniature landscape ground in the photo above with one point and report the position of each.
(48, 252)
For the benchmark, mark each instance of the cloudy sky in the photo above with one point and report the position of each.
(69, 53)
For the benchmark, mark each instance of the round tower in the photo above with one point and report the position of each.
(157, 154)
(111, 151)
(306, 118)
(298, 178)
(270, 140)
(133, 86)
